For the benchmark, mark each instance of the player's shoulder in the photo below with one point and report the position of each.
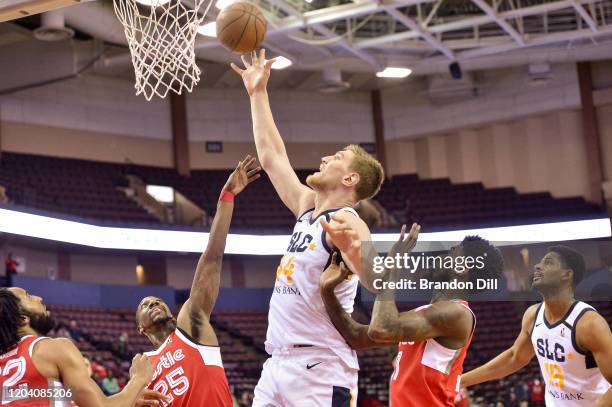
(445, 311)
(590, 319)
(529, 315)
(592, 331)
(532, 310)
(55, 346)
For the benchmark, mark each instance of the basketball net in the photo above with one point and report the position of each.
(161, 38)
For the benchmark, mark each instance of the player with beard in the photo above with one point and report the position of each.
(433, 339)
(572, 342)
(302, 342)
(189, 369)
(33, 363)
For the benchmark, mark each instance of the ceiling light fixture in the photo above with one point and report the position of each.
(394, 72)
(208, 29)
(281, 63)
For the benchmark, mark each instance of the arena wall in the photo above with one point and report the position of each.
(512, 134)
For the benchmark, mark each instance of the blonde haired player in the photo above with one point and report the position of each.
(571, 340)
(311, 364)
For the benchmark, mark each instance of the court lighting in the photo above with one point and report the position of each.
(208, 29)
(61, 230)
(221, 4)
(281, 63)
(394, 72)
(161, 193)
(153, 3)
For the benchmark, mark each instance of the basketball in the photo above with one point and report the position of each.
(241, 27)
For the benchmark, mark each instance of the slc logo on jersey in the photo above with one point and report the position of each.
(555, 352)
(299, 243)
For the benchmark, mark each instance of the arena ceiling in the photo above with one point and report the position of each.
(358, 37)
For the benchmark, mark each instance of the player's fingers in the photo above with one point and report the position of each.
(326, 226)
(253, 178)
(237, 69)
(338, 218)
(144, 402)
(246, 159)
(262, 55)
(352, 233)
(253, 171)
(244, 61)
(339, 228)
(252, 161)
(152, 394)
(402, 233)
(414, 231)
(333, 259)
(254, 57)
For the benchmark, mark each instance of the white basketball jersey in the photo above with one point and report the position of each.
(571, 375)
(297, 314)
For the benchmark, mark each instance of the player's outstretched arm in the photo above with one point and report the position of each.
(59, 358)
(347, 232)
(444, 319)
(354, 333)
(386, 323)
(510, 360)
(270, 146)
(593, 335)
(205, 286)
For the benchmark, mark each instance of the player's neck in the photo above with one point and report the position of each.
(557, 305)
(158, 337)
(26, 330)
(326, 200)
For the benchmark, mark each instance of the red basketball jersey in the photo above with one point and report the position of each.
(426, 373)
(190, 374)
(17, 370)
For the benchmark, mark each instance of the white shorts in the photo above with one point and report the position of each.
(306, 377)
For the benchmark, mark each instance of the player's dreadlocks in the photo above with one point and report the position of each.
(10, 315)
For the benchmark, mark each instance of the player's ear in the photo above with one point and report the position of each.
(568, 275)
(24, 320)
(350, 179)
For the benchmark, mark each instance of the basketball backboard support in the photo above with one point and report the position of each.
(13, 9)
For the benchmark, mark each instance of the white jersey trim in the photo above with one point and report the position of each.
(31, 348)
(158, 350)
(211, 355)
(439, 357)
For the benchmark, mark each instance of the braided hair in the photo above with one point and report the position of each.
(10, 315)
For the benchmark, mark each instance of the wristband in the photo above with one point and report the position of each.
(226, 196)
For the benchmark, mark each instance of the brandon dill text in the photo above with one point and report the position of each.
(425, 284)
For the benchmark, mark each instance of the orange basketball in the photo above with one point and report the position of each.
(241, 27)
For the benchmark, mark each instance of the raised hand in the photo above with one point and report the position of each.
(256, 73)
(246, 172)
(344, 237)
(334, 274)
(406, 245)
(142, 368)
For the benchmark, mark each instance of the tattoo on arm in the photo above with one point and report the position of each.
(195, 317)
